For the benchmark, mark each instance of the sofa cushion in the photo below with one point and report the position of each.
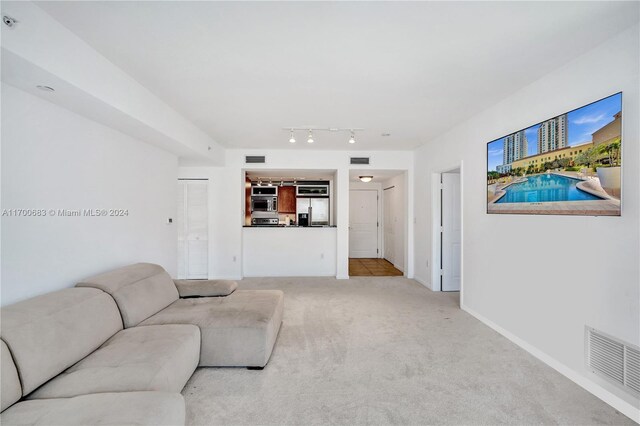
(237, 331)
(128, 408)
(49, 333)
(205, 288)
(140, 290)
(10, 390)
(155, 358)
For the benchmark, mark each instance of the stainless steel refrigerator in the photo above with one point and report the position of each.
(319, 209)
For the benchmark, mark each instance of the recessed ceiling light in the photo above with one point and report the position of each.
(386, 134)
(46, 88)
(366, 178)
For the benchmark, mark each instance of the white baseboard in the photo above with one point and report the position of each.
(422, 281)
(613, 400)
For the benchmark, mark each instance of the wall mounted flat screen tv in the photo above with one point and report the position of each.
(566, 165)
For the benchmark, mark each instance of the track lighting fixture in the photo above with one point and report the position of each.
(310, 130)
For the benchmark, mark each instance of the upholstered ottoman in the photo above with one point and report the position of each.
(238, 330)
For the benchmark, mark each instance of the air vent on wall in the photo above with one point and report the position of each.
(359, 160)
(617, 361)
(254, 159)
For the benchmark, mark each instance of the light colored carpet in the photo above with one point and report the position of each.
(387, 351)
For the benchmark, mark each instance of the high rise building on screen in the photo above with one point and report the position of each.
(515, 147)
(552, 134)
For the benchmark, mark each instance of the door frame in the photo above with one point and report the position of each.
(383, 218)
(379, 213)
(436, 209)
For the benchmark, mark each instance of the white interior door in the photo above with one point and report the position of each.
(451, 232)
(193, 229)
(363, 224)
(389, 228)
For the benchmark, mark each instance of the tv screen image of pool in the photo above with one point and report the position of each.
(569, 164)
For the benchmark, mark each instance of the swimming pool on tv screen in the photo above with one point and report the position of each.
(545, 188)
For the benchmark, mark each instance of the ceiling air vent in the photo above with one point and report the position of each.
(617, 361)
(255, 159)
(360, 160)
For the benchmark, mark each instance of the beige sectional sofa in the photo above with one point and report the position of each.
(119, 347)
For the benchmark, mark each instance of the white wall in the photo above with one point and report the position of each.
(289, 252)
(89, 84)
(399, 217)
(55, 159)
(541, 279)
(227, 191)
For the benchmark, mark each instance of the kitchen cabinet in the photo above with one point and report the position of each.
(247, 201)
(287, 199)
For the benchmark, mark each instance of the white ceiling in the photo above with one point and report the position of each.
(241, 71)
(378, 175)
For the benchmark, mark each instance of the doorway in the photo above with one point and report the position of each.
(193, 228)
(450, 220)
(381, 199)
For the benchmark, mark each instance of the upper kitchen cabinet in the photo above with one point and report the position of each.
(287, 199)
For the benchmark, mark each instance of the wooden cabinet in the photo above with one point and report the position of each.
(247, 201)
(287, 199)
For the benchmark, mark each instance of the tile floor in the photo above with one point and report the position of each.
(372, 267)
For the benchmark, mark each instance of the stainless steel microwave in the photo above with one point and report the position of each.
(264, 204)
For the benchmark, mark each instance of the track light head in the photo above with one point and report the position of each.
(352, 139)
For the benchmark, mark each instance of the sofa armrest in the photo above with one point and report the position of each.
(205, 288)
